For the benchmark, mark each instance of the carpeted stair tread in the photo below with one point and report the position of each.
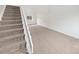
(10, 22)
(11, 32)
(9, 27)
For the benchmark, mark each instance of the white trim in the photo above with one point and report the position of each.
(28, 38)
(2, 12)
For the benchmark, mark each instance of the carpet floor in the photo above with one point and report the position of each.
(48, 41)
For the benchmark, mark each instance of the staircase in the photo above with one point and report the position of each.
(12, 37)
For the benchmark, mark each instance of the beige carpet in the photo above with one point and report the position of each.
(48, 41)
(12, 37)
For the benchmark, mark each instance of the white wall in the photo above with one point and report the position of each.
(64, 19)
(34, 10)
(30, 11)
(1, 10)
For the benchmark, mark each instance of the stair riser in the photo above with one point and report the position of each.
(10, 22)
(12, 8)
(10, 33)
(11, 18)
(12, 12)
(10, 27)
(10, 15)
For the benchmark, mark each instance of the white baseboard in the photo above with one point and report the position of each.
(60, 31)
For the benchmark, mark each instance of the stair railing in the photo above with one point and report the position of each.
(29, 44)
